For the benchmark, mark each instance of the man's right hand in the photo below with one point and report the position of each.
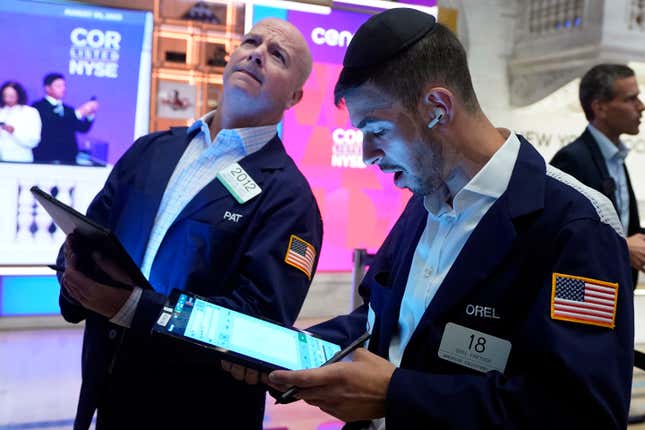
(636, 245)
(110, 268)
(74, 246)
(100, 298)
(8, 128)
(88, 108)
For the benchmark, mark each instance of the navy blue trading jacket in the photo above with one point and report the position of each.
(559, 374)
(141, 381)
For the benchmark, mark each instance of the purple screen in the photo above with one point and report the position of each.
(98, 50)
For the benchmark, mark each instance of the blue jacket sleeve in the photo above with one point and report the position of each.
(83, 125)
(99, 211)
(573, 376)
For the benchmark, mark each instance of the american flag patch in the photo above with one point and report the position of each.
(301, 255)
(583, 300)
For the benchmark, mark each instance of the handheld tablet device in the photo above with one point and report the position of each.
(98, 237)
(252, 342)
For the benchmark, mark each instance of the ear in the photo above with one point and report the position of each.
(295, 98)
(434, 100)
(598, 108)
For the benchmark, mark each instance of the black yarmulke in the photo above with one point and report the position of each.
(386, 34)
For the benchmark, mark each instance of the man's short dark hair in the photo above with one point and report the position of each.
(437, 57)
(20, 90)
(598, 84)
(51, 77)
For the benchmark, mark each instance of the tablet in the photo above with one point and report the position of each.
(252, 342)
(98, 237)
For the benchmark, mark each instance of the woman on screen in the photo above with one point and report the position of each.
(19, 124)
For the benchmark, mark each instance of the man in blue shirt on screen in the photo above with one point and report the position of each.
(172, 202)
(502, 296)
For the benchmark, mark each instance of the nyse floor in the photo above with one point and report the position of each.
(40, 376)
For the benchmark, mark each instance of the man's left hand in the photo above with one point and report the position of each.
(88, 108)
(8, 128)
(100, 298)
(636, 245)
(350, 391)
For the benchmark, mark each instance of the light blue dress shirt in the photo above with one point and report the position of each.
(614, 156)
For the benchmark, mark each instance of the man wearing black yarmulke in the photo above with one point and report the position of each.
(501, 298)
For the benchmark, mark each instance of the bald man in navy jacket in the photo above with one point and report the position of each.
(187, 230)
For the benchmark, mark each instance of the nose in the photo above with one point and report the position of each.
(257, 56)
(371, 153)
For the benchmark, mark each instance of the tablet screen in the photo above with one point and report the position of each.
(261, 340)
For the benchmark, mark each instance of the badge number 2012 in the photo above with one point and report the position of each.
(473, 348)
(243, 178)
(238, 182)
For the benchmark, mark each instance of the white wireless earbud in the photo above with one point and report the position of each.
(438, 116)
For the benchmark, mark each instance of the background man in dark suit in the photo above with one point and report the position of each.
(186, 230)
(609, 96)
(60, 123)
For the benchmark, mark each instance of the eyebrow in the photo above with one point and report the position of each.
(272, 44)
(367, 120)
(283, 50)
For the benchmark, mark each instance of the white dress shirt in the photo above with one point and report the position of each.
(26, 122)
(614, 156)
(447, 230)
(198, 166)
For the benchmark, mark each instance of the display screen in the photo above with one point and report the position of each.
(104, 56)
(261, 340)
(359, 204)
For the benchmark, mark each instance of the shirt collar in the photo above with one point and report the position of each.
(608, 149)
(53, 101)
(437, 203)
(490, 182)
(252, 138)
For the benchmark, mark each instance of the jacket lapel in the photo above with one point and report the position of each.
(166, 152)
(485, 248)
(634, 219)
(398, 279)
(607, 184)
(596, 155)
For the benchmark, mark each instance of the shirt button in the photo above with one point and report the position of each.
(427, 272)
(112, 334)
